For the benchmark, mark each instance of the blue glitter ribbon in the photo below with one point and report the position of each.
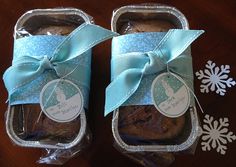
(129, 69)
(42, 58)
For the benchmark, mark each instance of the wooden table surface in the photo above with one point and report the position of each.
(217, 18)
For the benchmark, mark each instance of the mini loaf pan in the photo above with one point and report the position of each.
(189, 134)
(21, 122)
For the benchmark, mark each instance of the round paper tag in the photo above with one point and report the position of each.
(61, 100)
(170, 95)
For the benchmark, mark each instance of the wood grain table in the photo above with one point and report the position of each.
(216, 17)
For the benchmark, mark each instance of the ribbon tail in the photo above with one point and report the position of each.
(182, 66)
(175, 42)
(18, 75)
(81, 40)
(129, 60)
(122, 88)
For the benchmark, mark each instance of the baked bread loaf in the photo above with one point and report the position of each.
(145, 122)
(31, 123)
(37, 126)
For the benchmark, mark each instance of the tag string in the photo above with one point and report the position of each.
(61, 78)
(180, 79)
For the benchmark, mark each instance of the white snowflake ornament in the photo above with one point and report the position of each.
(215, 78)
(215, 134)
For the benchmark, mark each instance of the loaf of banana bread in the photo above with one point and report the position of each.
(144, 121)
(30, 122)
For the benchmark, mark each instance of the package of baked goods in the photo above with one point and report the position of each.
(49, 81)
(151, 91)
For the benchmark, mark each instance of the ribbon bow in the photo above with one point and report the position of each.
(128, 69)
(26, 68)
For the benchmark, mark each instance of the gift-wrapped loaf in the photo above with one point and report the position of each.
(144, 121)
(30, 122)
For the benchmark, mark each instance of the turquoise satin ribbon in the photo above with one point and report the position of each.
(27, 68)
(128, 69)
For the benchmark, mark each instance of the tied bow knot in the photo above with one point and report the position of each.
(128, 69)
(154, 64)
(26, 68)
(46, 64)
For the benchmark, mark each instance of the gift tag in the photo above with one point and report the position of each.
(61, 100)
(170, 95)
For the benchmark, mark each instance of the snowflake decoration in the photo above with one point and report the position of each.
(215, 134)
(215, 78)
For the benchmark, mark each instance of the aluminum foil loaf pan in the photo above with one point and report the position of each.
(141, 128)
(25, 123)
